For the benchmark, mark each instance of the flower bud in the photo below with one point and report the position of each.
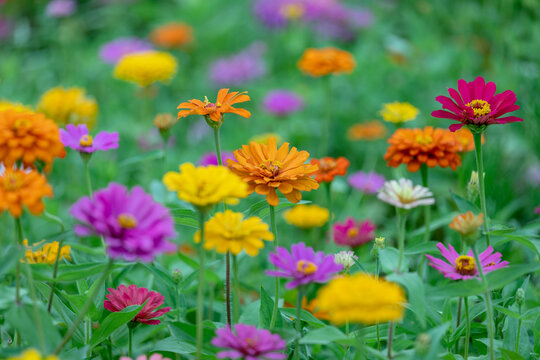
(177, 276)
(473, 187)
(467, 226)
(422, 344)
(377, 246)
(164, 122)
(520, 296)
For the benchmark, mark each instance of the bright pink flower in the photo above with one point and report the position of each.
(249, 343)
(477, 104)
(144, 357)
(354, 233)
(78, 138)
(122, 297)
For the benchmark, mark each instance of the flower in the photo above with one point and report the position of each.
(249, 343)
(263, 138)
(465, 140)
(354, 233)
(211, 158)
(20, 188)
(114, 50)
(60, 8)
(121, 297)
(68, 106)
(325, 61)
(172, 35)
(133, 225)
(404, 195)
(467, 224)
(8, 105)
(265, 169)
(215, 111)
(537, 210)
(345, 258)
(205, 186)
(369, 183)
(77, 138)
(28, 137)
(362, 298)
(32, 354)
(164, 122)
(477, 104)
(330, 168)
(145, 357)
(240, 68)
(307, 216)
(429, 146)
(228, 231)
(282, 102)
(146, 68)
(463, 267)
(398, 112)
(371, 130)
(45, 254)
(303, 265)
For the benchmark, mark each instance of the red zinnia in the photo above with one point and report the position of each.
(122, 297)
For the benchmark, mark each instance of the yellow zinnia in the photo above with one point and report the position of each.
(361, 298)
(205, 186)
(307, 216)
(8, 105)
(146, 68)
(228, 231)
(46, 254)
(398, 112)
(32, 354)
(68, 106)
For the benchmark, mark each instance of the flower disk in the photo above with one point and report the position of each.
(46, 254)
(20, 188)
(330, 168)
(146, 68)
(325, 61)
(307, 216)
(68, 106)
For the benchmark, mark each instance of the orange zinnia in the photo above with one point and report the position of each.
(465, 140)
(423, 146)
(330, 168)
(215, 111)
(20, 187)
(173, 35)
(28, 137)
(265, 169)
(372, 130)
(325, 61)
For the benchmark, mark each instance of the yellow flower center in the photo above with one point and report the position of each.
(327, 164)
(210, 106)
(465, 265)
(20, 123)
(274, 166)
(293, 11)
(423, 139)
(127, 221)
(12, 182)
(306, 267)
(352, 232)
(480, 107)
(86, 141)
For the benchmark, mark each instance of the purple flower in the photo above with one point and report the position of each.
(369, 183)
(211, 158)
(303, 265)
(60, 8)
(249, 343)
(113, 51)
(133, 225)
(354, 233)
(537, 210)
(282, 102)
(238, 69)
(6, 27)
(77, 138)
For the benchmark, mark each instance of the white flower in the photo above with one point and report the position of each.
(403, 194)
(345, 258)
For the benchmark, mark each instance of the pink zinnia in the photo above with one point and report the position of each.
(477, 104)
(78, 138)
(144, 357)
(122, 297)
(354, 233)
(463, 267)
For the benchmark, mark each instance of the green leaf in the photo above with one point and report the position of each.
(510, 355)
(499, 278)
(456, 289)
(250, 315)
(152, 155)
(325, 335)
(304, 315)
(10, 256)
(534, 245)
(416, 294)
(265, 310)
(113, 322)
(175, 345)
(429, 247)
(463, 204)
(265, 211)
(389, 258)
(507, 312)
(440, 222)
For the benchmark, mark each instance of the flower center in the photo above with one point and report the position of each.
(423, 139)
(127, 221)
(306, 267)
(327, 164)
(480, 107)
(20, 123)
(352, 232)
(274, 166)
(211, 106)
(293, 11)
(406, 196)
(465, 265)
(86, 141)
(12, 182)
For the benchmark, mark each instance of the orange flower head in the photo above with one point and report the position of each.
(172, 35)
(325, 61)
(28, 137)
(330, 168)
(265, 169)
(20, 188)
(372, 130)
(422, 146)
(465, 140)
(467, 224)
(214, 111)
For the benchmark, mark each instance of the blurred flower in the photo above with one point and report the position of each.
(398, 112)
(362, 298)
(134, 226)
(307, 216)
(368, 183)
(325, 61)
(32, 354)
(303, 265)
(120, 298)
(537, 210)
(465, 140)
(114, 50)
(68, 106)
(172, 35)
(20, 188)
(467, 224)
(372, 130)
(329, 168)
(476, 104)
(265, 169)
(422, 344)
(215, 111)
(249, 343)
(429, 146)
(60, 8)
(229, 232)
(211, 158)
(263, 138)
(45, 254)
(345, 258)
(404, 195)
(240, 68)
(7, 105)
(164, 122)
(354, 233)
(146, 68)
(277, 13)
(145, 357)
(77, 138)
(463, 267)
(380, 242)
(310, 306)
(282, 102)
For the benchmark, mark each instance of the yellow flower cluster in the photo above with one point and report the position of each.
(307, 216)
(8, 105)
(69, 106)
(146, 68)
(362, 298)
(32, 354)
(398, 112)
(228, 231)
(46, 254)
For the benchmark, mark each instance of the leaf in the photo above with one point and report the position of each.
(434, 225)
(152, 155)
(463, 204)
(429, 247)
(175, 345)
(10, 256)
(323, 336)
(250, 315)
(264, 212)
(113, 322)
(510, 355)
(416, 294)
(265, 310)
(534, 245)
(507, 312)
(456, 289)
(389, 258)
(304, 315)
(499, 278)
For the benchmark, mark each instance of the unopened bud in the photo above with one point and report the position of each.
(377, 246)
(177, 276)
(473, 187)
(520, 296)
(422, 344)
(467, 226)
(164, 122)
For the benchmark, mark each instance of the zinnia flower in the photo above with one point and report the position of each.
(477, 104)
(325, 61)
(20, 188)
(77, 138)
(303, 265)
(133, 225)
(307, 216)
(404, 195)
(362, 298)
(463, 267)
(353, 233)
(465, 140)
(371, 130)
(282, 102)
(172, 35)
(398, 112)
(249, 343)
(228, 231)
(32, 354)
(8, 105)
(345, 258)
(265, 169)
(369, 183)
(429, 146)
(68, 106)
(146, 68)
(211, 158)
(122, 297)
(60, 8)
(330, 168)
(45, 254)
(145, 357)
(114, 50)
(467, 224)
(238, 69)
(215, 111)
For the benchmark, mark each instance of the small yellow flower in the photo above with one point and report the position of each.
(8, 105)
(32, 354)
(398, 112)
(361, 298)
(206, 186)
(263, 138)
(467, 224)
(146, 68)
(46, 254)
(307, 216)
(228, 231)
(68, 106)
(164, 122)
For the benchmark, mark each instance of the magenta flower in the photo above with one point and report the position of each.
(144, 357)
(211, 158)
(354, 233)
(122, 297)
(77, 138)
(369, 183)
(249, 343)
(463, 267)
(477, 104)
(240, 68)
(133, 225)
(60, 8)
(537, 210)
(303, 265)
(113, 51)
(282, 102)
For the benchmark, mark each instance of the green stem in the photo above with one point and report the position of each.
(299, 297)
(200, 290)
(328, 187)
(130, 341)
(489, 307)
(87, 176)
(458, 320)
(377, 276)
(236, 290)
(480, 166)
(401, 237)
(178, 302)
(20, 238)
(390, 338)
(35, 307)
(427, 218)
(467, 327)
(276, 298)
(326, 131)
(518, 330)
(55, 271)
(217, 141)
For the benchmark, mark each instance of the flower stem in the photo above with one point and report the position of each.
(377, 264)
(56, 261)
(467, 327)
(427, 218)
(276, 298)
(299, 297)
(401, 237)
(86, 160)
(130, 341)
(326, 131)
(390, 337)
(236, 289)
(328, 187)
(480, 166)
(217, 141)
(34, 305)
(200, 290)
(519, 329)
(20, 238)
(489, 307)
